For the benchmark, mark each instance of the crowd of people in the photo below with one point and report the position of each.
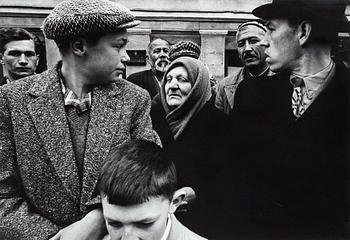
(164, 154)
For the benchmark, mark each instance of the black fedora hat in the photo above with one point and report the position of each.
(327, 11)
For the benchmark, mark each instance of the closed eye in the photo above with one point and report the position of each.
(144, 224)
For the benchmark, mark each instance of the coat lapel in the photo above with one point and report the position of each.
(48, 114)
(104, 119)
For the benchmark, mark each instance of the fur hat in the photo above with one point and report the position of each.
(184, 48)
(74, 18)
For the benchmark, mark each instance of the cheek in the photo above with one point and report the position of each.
(166, 88)
(10, 61)
(185, 88)
(113, 233)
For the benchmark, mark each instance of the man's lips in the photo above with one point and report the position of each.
(23, 69)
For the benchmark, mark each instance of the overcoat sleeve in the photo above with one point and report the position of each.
(141, 127)
(17, 217)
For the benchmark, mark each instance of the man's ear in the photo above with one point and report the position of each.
(148, 60)
(2, 59)
(78, 46)
(37, 60)
(181, 197)
(304, 29)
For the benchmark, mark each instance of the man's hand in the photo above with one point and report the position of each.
(91, 227)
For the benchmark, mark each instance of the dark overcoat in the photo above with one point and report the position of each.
(297, 171)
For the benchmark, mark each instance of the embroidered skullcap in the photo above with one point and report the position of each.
(184, 48)
(74, 18)
(254, 23)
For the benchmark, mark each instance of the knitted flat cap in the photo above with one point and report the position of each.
(74, 18)
(184, 48)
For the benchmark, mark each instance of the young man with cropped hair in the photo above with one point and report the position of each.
(137, 185)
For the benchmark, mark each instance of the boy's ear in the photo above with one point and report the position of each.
(78, 46)
(181, 197)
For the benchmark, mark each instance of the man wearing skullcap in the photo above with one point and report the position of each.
(184, 49)
(294, 133)
(251, 53)
(58, 127)
(158, 59)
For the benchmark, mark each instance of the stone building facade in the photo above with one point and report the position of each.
(210, 23)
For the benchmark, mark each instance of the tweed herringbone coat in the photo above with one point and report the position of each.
(39, 184)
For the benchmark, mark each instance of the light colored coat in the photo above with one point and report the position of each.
(226, 90)
(39, 184)
(180, 232)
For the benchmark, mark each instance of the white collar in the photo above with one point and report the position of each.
(167, 228)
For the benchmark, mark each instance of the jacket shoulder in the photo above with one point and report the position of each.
(231, 79)
(134, 89)
(137, 76)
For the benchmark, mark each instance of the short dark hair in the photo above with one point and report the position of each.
(321, 32)
(136, 171)
(15, 34)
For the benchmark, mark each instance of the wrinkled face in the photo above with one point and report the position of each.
(249, 47)
(282, 46)
(20, 59)
(158, 57)
(105, 60)
(145, 221)
(177, 86)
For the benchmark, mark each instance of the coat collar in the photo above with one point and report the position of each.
(48, 114)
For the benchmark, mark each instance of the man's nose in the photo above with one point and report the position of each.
(128, 234)
(23, 60)
(124, 56)
(247, 46)
(164, 53)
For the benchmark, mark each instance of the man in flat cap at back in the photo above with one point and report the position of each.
(58, 127)
(299, 169)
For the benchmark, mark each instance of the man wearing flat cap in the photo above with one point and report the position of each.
(58, 127)
(299, 170)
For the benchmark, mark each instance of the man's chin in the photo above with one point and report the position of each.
(162, 70)
(20, 75)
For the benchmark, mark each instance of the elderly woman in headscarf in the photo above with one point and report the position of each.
(194, 134)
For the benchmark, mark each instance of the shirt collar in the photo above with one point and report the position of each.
(7, 79)
(71, 99)
(167, 228)
(262, 73)
(317, 81)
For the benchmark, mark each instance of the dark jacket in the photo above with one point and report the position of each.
(146, 80)
(200, 156)
(297, 171)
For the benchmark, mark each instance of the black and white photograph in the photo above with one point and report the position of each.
(174, 119)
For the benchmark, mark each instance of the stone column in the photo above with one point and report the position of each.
(213, 51)
(138, 40)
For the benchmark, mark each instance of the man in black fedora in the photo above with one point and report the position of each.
(298, 127)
